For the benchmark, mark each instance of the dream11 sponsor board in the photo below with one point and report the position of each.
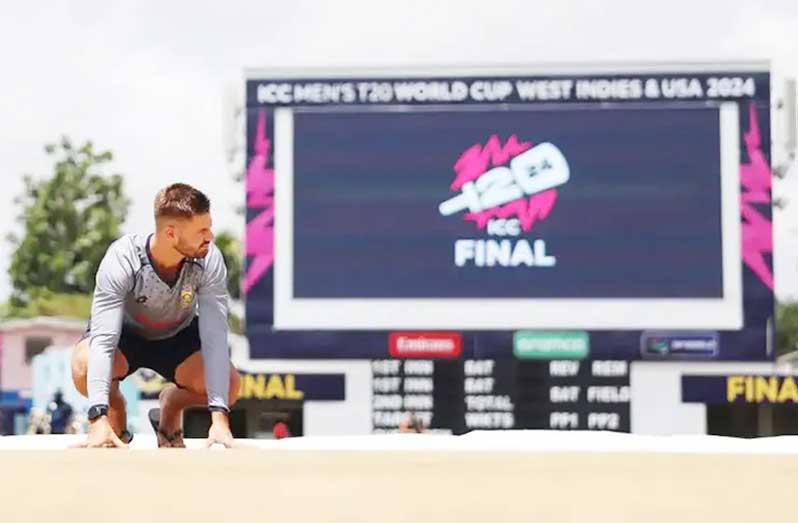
(441, 214)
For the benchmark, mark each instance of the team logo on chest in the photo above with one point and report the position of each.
(187, 295)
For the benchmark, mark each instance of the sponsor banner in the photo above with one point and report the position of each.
(559, 89)
(266, 386)
(291, 386)
(425, 344)
(551, 345)
(680, 345)
(740, 388)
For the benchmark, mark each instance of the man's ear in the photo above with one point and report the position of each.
(170, 232)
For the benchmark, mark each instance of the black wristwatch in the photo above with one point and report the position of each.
(95, 411)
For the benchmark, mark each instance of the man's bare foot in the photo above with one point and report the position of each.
(170, 430)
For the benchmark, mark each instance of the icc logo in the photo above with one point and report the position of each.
(505, 190)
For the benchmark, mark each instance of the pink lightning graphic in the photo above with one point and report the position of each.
(260, 195)
(756, 178)
(477, 159)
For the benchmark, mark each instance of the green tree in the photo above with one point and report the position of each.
(231, 252)
(69, 220)
(43, 302)
(786, 327)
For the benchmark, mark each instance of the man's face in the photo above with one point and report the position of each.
(192, 237)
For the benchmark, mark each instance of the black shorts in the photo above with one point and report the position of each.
(162, 356)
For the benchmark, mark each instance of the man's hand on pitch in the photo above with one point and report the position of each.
(220, 431)
(102, 435)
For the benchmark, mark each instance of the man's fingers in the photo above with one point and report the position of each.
(227, 443)
(112, 442)
(118, 443)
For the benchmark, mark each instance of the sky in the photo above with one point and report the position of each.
(156, 82)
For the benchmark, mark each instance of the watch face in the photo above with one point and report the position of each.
(96, 411)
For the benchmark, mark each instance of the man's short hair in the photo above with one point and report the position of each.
(180, 200)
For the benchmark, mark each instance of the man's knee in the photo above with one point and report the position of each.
(235, 385)
(80, 365)
(198, 385)
(190, 375)
(116, 398)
